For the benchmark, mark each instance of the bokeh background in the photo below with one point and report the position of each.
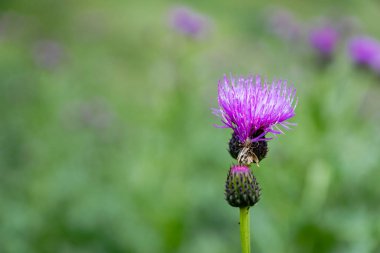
(107, 141)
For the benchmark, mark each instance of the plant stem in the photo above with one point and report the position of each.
(244, 230)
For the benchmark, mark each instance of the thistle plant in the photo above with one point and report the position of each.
(253, 109)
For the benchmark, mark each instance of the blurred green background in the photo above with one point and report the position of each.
(107, 141)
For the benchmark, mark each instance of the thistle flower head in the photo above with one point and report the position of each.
(252, 107)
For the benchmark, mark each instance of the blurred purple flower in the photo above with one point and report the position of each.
(92, 114)
(283, 24)
(48, 54)
(12, 23)
(252, 107)
(324, 40)
(348, 25)
(188, 22)
(363, 49)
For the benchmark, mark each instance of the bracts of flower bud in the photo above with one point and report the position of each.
(242, 188)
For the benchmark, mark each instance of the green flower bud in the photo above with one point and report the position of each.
(242, 189)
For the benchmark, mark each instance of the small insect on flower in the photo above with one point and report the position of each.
(252, 108)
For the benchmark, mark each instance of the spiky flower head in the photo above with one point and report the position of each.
(252, 108)
(242, 189)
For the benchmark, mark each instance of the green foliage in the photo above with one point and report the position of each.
(110, 146)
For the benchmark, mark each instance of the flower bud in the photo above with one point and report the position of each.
(242, 189)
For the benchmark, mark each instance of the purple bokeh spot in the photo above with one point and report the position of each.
(324, 39)
(48, 54)
(363, 49)
(282, 23)
(188, 22)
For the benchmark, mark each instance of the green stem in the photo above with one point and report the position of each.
(244, 230)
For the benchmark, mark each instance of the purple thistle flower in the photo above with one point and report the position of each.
(363, 49)
(253, 108)
(188, 22)
(324, 40)
(250, 105)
